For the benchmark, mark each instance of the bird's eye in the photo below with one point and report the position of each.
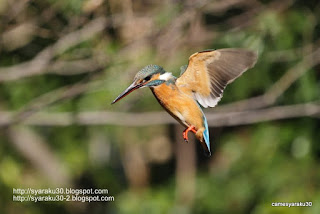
(147, 78)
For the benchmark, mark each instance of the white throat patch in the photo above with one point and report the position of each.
(165, 76)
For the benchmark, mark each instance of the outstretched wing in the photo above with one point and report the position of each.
(209, 72)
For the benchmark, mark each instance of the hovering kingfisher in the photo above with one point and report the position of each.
(202, 82)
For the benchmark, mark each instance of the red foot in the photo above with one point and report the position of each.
(185, 132)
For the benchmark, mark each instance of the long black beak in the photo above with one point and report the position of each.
(130, 89)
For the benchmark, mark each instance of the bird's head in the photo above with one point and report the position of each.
(149, 76)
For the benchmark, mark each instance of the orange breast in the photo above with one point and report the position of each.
(181, 106)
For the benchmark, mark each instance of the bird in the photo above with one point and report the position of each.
(201, 83)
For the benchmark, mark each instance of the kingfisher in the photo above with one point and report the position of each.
(201, 83)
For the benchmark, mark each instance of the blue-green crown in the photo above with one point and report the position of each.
(149, 70)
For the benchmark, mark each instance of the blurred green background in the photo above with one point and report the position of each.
(63, 62)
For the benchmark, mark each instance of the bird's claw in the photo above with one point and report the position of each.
(185, 136)
(185, 133)
(186, 140)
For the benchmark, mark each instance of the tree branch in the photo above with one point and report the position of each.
(216, 119)
(73, 67)
(36, 150)
(39, 63)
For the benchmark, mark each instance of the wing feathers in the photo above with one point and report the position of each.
(209, 72)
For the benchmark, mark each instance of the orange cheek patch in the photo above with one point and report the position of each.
(155, 77)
